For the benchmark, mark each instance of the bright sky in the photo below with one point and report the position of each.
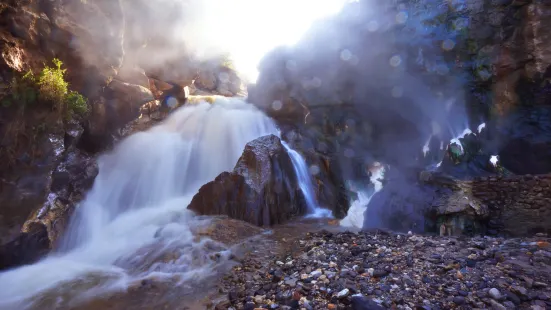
(248, 29)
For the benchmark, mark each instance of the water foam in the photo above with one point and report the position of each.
(136, 211)
(355, 216)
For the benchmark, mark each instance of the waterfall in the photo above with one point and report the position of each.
(136, 210)
(305, 182)
(355, 215)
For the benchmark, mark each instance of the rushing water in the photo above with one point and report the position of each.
(136, 211)
(305, 182)
(355, 216)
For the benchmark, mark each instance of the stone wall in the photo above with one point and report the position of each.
(437, 203)
(519, 205)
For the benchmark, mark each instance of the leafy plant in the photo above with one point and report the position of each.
(52, 85)
(50, 88)
(76, 103)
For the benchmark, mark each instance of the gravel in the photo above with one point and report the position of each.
(381, 270)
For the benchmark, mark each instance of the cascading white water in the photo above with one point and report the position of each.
(355, 216)
(305, 182)
(136, 210)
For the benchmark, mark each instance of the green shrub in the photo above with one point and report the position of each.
(48, 88)
(52, 85)
(76, 103)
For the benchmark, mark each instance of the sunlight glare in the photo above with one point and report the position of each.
(248, 29)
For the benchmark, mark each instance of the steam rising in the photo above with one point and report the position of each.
(386, 60)
(183, 33)
(248, 29)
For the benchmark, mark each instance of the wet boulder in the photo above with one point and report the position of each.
(218, 79)
(26, 248)
(262, 189)
(403, 204)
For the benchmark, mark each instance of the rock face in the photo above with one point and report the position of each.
(525, 137)
(40, 202)
(119, 105)
(37, 31)
(262, 189)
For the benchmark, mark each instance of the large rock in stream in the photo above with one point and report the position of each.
(262, 189)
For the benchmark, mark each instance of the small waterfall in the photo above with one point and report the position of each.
(355, 215)
(305, 182)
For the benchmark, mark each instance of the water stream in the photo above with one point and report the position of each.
(134, 223)
(305, 182)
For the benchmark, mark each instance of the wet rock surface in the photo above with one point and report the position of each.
(382, 270)
(66, 185)
(262, 189)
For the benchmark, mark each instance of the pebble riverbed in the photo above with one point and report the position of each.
(382, 270)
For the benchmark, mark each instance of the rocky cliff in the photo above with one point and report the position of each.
(403, 72)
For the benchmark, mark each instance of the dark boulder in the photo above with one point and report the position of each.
(262, 189)
(27, 248)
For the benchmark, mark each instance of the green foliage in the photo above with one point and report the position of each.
(52, 85)
(76, 103)
(48, 88)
